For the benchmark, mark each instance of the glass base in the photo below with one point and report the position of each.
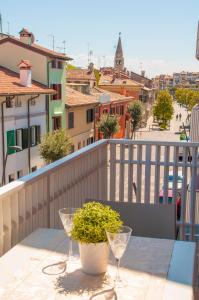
(72, 258)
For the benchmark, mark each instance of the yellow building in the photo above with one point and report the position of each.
(80, 110)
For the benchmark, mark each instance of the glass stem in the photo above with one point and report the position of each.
(117, 277)
(70, 251)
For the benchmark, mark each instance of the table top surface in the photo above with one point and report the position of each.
(148, 266)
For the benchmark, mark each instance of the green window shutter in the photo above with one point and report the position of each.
(38, 134)
(10, 141)
(24, 138)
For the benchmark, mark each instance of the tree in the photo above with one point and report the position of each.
(108, 125)
(136, 110)
(187, 98)
(163, 108)
(55, 145)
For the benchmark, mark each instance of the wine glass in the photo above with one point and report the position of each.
(118, 242)
(66, 215)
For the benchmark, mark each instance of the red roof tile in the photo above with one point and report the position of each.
(80, 74)
(10, 85)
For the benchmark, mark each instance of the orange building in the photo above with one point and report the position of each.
(114, 104)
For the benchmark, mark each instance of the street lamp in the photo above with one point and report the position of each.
(15, 148)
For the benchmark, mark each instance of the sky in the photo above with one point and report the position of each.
(157, 36)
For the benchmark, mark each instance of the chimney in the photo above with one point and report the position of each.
(26, 36)
(143, 73)
(25, 73)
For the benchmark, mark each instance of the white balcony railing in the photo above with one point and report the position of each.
(120, 170)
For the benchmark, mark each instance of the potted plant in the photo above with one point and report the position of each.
(89, 224)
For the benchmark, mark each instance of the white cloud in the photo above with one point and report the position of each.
(151, 66)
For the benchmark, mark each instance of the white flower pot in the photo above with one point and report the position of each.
(94, 257)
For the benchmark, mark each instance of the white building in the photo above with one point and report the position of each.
(22, 121)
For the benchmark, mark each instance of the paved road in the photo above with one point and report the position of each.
(166, 135)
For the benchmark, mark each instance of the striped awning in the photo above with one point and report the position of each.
(194, 126)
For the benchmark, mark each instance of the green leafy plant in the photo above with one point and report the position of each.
(90, 222)
(136, 110)
(108, 125)
(55, 145)
(183, 136)
(163, 109)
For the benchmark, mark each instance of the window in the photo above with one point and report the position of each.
(121, 110)
(57, 88)
(79, 145)
(112, 110)
(72, 148)
(117, 110)
(53, 63)
(90, 140)
(70, 120)
(105, 111)
(59, 64)
(9, 102)
(24, 138)
(19, 174)
(10, 141)
(56, 123)
(19, 137)
(84, 143)
(11, 177)
(89, 115)
(18, 102)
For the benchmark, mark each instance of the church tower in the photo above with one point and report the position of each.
(119, 59)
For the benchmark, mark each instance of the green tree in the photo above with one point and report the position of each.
(136, 110)
(163, 108)
(187, 98)
(55, 145)
(108, 125)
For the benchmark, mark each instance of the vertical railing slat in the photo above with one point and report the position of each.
(139, 173)
(112, 172)
(147, 198)
(121, 173)
(157, 174)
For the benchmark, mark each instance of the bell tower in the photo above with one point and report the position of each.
(119, 59)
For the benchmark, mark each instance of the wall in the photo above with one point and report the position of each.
(16, 118)
(82, 130)
(11, 55)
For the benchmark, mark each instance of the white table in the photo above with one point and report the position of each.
(153, 268)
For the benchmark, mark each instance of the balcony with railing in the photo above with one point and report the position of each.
(116, 170)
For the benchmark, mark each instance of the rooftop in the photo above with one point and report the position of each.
(10, 85)
(80, 74)
(35, 47)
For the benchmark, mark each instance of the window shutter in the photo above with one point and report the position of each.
(10, 141)
(38, 134)
(24, 138)
(71, 120)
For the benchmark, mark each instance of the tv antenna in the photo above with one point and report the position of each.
(8, 28)
(53, 41)
(63, 48)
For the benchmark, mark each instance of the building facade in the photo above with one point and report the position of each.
(80, 110)
(49, 68)
(22, 121)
